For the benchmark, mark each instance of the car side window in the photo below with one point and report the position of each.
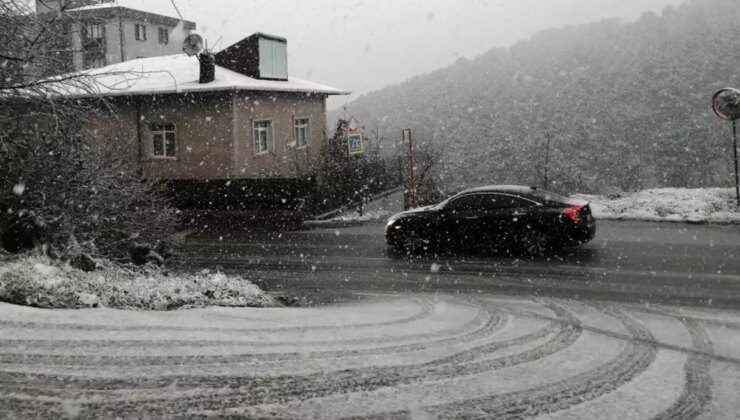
(503, 201)
(465, 203)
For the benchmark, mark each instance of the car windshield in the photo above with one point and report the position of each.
(372, 209)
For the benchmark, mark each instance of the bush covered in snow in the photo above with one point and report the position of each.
(38, 281)
(716, 205)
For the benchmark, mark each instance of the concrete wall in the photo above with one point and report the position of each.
(215, 136)
(151, 47)
(121, 43)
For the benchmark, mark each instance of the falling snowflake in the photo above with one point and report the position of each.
(19, 189)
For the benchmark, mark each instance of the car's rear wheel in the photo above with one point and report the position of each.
(534, 242)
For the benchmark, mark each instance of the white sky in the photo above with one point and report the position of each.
(364, 45)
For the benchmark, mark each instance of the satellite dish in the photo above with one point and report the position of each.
(193, 45)
(726, 104)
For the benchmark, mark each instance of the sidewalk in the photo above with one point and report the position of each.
(380, 208)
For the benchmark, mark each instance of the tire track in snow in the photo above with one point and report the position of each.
(697, 391)
(281, 388)
(489, 340)
(485, 323)
(425, 310)
(632, 360)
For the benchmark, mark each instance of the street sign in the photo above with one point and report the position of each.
(354, 143)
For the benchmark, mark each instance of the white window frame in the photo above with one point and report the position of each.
(140, 32)
(268, 49)
(306, 127)
(163, 132)
(256, 130)
(96, 28)
(163, 40)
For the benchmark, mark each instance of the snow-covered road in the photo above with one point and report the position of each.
(420, 356)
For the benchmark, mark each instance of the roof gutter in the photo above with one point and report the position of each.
(179, 90)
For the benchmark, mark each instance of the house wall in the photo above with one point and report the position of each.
(120, 31)
(215, 136)
(284, 158)
(204, 136)
(151, 47)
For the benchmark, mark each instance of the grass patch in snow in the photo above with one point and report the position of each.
(38, 281)
(714, 205)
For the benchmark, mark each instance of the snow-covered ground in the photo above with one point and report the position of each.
(712, 205)
(379, 209)
(715, 205)
(413, 356)
(37, 281)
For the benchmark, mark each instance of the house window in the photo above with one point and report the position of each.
(140, 32)
(273, 56)
(164, 141)
(164, 36)
(301, 132)
(95, 32)
(262, 136)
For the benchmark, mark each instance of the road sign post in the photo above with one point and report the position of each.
(413, 188)
(726, 104)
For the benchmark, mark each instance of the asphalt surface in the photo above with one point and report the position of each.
(644, 262)
(579, 334)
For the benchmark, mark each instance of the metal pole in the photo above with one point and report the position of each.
(414, 197)
(547, 160)
(737, 177)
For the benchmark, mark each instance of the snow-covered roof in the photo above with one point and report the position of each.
(94, 7)
(171, 74)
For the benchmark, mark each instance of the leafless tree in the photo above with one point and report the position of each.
(56, 177)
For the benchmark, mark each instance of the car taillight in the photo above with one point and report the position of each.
(574, 213)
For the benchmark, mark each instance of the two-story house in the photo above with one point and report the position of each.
(105, 33)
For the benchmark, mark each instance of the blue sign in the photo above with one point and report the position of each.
(355, 144)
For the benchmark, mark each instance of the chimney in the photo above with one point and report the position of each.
(207, 67)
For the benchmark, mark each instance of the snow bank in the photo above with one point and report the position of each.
(370, 216)
(38, 281)
(715, 205)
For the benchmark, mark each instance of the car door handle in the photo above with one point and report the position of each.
(472, 218)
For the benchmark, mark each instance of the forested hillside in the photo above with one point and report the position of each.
(624, 106)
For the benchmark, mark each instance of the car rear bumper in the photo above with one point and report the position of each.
(579, 235)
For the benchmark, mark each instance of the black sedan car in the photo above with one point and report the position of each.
(524, 219)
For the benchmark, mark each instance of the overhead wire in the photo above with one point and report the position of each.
(177, 10)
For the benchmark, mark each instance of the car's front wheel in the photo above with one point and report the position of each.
(411, 243)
